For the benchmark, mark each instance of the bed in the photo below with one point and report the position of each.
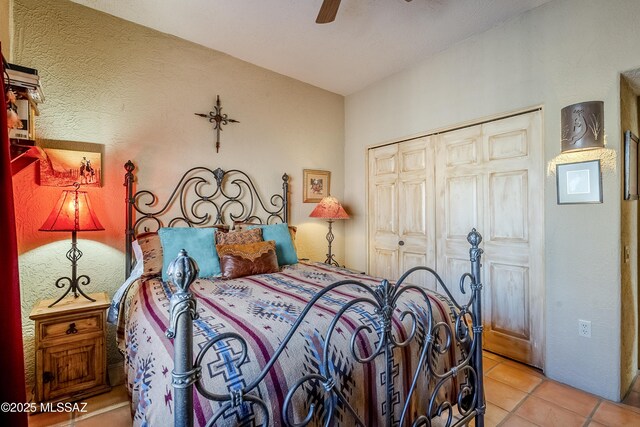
(304, 344)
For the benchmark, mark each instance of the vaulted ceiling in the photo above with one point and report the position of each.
(369, 39)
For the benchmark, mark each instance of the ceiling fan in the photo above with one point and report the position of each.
(328, 11)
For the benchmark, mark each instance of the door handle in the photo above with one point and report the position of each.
(72, 329)
(401, 243)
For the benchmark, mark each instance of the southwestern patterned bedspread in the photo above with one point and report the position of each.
(262, 308)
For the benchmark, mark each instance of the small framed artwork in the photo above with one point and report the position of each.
(579, 182)
(630, 166)
(317, 185)
(67, 162)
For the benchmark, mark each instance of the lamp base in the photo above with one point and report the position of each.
(73, 282)
(72, 288)
(330, 257)
(332, 260)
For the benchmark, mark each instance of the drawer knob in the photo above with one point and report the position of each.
(72, 329)
(401, 242)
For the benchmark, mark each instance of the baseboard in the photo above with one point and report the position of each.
(116, 374)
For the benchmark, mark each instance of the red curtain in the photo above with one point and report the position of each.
(12, 386)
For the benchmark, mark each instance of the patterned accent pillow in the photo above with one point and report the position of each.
(151, 254)
(239, 237)
(247, 259)
(244, 225)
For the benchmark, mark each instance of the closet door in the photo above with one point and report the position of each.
(383, 212)
(491, 177)
(459, 184)
(416, 212)
(401, 209)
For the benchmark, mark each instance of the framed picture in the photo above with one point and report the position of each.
(579, 182)
(630, 166)
(66, 162)
(316, 185)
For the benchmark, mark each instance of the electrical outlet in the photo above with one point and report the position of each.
(584, 328)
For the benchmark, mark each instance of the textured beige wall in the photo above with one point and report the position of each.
(135, 91)
(5, 27)
(563, 52)
(629, 236)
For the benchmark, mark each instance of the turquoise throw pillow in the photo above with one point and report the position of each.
(198, 242)
(285, 251)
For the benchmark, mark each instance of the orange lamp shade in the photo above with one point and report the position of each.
(65, 216)
(329, 208)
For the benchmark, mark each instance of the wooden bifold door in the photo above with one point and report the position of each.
(426, 194)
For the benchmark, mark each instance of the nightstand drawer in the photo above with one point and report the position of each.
(71, 326)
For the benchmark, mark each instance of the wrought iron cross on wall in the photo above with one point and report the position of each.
(218, 119)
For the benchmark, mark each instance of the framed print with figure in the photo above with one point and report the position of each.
(317, 185)
(66, 162)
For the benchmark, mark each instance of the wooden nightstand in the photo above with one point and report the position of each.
(71, 358)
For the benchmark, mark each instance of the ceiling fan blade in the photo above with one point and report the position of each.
(328, 11)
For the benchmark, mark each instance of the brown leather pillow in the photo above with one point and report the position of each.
(247, 259)
(239, 237)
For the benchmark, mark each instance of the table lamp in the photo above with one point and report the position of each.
(330, 209)
(73, 213)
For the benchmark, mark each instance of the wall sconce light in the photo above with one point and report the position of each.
(73, 213)
(330, 209)
(582, 126)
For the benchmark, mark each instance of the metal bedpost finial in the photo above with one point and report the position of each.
(474, 238)
(183, 271)
(285, 177)
(129, 167)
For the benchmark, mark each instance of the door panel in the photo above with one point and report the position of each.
(455, 268)
(384, 263)
(507, 145)
(413, 158)
(508, 204)
(510, 292)
(386, 214)
(461, 205)
(413, 221)
(463, 151)
(410, 259)
(73, 367)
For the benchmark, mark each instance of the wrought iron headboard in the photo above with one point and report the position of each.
(202, 197)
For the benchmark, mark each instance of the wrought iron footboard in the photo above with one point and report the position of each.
(383, 299)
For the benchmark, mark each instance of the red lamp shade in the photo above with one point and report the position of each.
(329, 208)
(65, 216)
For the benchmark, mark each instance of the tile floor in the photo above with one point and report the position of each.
(517, 396)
